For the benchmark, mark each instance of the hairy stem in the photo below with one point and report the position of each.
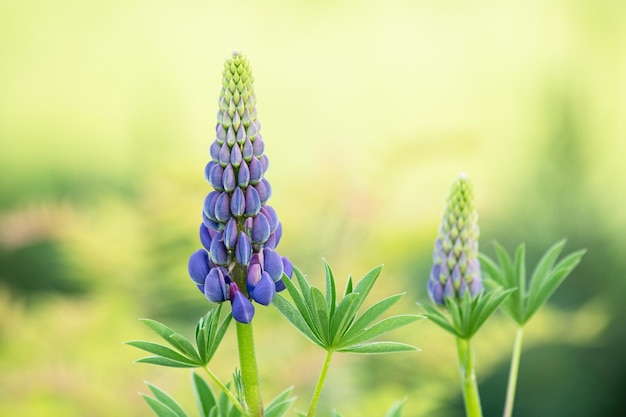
(225, 389)
(468, 378)
(249, 370)
(515, 358)
(320, 384)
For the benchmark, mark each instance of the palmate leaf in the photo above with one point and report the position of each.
(334, 324)
(279, 405)
(546, 278)
(182, 354)
(466, 316)
(205, 398)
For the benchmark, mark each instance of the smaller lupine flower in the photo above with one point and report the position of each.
(456, 268)
(239, 230)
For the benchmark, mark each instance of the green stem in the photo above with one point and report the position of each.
(468, 378)
(515, 358)
(225, 389)
(320, 384)
(249, 370)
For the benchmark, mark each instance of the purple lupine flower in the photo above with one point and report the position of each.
(239, 230)
(456, 268)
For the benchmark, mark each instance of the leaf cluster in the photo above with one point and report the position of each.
(181, 353)
(510, 272)
(334, 325)
(209, 404)
(467, 315)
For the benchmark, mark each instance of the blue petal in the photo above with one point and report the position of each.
(253, 202)
(219, 253)
(243, 310)
(256, 171)
(272, 264)
(209, 204)
(222, 208)
(235, 157)
(435, 290)
(198, 266)
(258, 146)
(224, 156)
(265, 162)
(243, 252)
(243, 177)
(214, 150)
(215, 177)
(230, 234)
(228, 179)
(220, 133)
(215, 286)
(264, 291)
(280, 285)
(271, 215)
(230, 136)
(246, 150)
(237, 203)
(260, 229)
(264, 189)
(205, 237)
(287, 267)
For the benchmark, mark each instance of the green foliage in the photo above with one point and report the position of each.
(163, 404)
(335, 326)
(208, 336)
(467, 315)
(394, 411)
(510, 273)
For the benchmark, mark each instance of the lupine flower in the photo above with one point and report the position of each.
(239, 231)
(456, 267)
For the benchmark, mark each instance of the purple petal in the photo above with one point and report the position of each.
(264, 291)
(279, 233)
(254, 276)
(230, 136)
(272, 264)
(237, 203)
(205, 237)
(260, 229)
(435, 272)
(435, 290)
(271, 215)
(243, 177)
(215, 286)
(214, 150)
(230, 233)
(287, 267)
(235, 156)
(243, 251)
(448, 289)
(258, 146)
(264, 189)
(219, 253)
(241, 136)
(256, 171)
(220, 133)
(207, 170)
(476, 285)
(224, 156)
(209, 204)
(253, 202)
(280, 285)
(265, 162)
(252, 130)
(228, 179)
(222, 208)
(270, 242)
(198, 266)
(215, 177)
(247, 150)
(243, 310)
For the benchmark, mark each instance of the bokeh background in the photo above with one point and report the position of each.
(369, 111)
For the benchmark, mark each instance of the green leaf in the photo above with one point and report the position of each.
(344, 315)
(348, 288)
(167, 400)
(434, 315)
(545, 266)
(215, 337)
(541, 295)
(507, 265)
(396, 409)
(159, 360)
(299, 300)
(173, 338)
(163, 351)
(372, 314)
(486, 306)
(160, 409)
(279, 405)
(331, 291)
(205, 399)
(293, 316)
(319, 309)
(380, 328)
(379, 348)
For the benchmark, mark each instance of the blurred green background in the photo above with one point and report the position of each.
(369, 111)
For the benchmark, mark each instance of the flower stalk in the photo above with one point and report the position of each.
(249, 370)
(513, 372)
(468, 378)
(320, 384)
